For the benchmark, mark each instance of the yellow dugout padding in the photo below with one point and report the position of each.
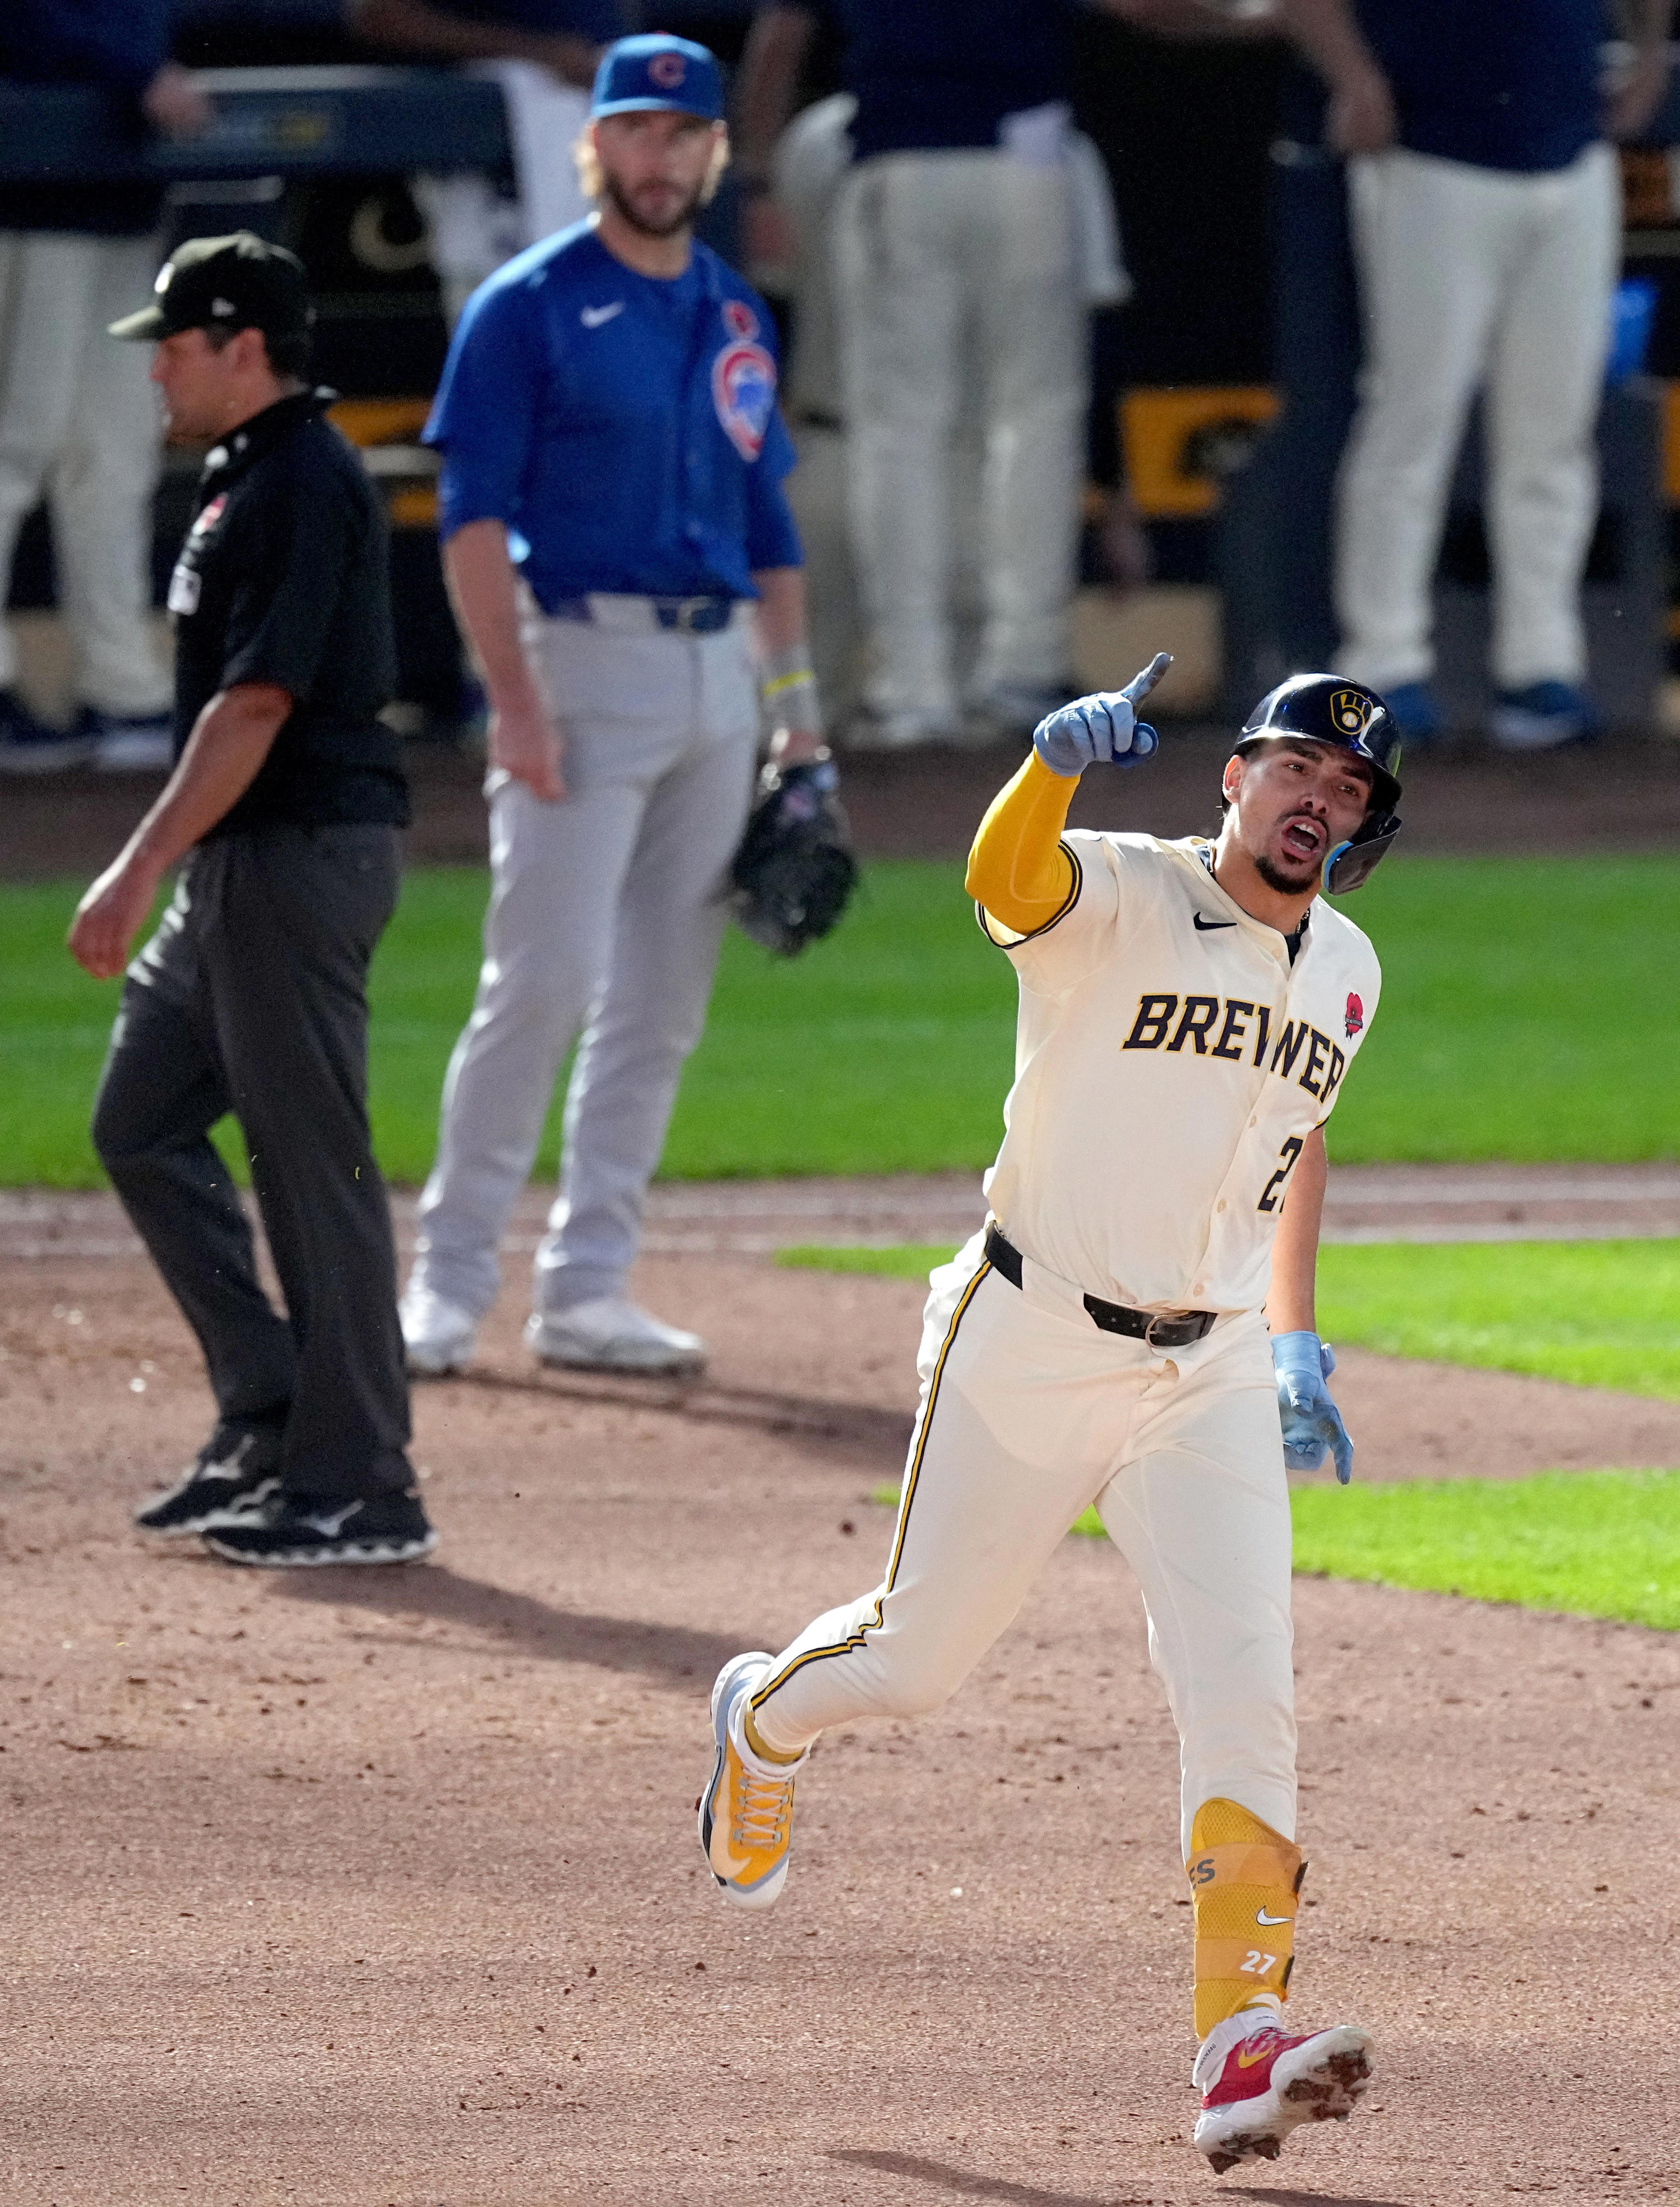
(1171, 438)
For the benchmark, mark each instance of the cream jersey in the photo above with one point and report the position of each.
(1169, 1063)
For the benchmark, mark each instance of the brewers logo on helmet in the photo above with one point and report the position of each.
(1350, 710)
(1318, 708)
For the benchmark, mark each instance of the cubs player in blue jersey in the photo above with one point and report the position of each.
(624, 561)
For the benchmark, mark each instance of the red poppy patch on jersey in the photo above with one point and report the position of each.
(744, 391)
(1355, 1019)
(740, 319)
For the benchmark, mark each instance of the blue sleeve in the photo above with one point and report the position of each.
(602, 21)
(484, 417)
(120, 42)
(772, 537)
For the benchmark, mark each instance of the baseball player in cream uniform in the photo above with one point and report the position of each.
(1130, 1329)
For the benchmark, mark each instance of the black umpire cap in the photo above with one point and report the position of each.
(236, 283)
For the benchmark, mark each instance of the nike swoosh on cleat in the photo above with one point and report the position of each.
(593, 317)
(1208, 926)
(330, 1526)
(1260, 1916)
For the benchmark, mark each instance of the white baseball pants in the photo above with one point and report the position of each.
(1029, 1414)
(605, 915)
(79, 421)
(951, 265)
(1469, 275)
(471, 230)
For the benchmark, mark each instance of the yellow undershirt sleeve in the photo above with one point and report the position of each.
(1018, 871)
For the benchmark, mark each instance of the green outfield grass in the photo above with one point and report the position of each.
(1587, 1543)
(1591, 1543)
(1524, 1016)
(1596, 1313)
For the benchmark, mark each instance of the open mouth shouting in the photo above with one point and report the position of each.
(1304, 839)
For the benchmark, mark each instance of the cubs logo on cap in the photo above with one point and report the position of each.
(656, 72)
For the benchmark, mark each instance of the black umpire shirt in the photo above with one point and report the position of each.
(284, 578)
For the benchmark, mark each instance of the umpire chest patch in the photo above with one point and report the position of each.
(184, 584)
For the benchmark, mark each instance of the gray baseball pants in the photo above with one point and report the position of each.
(605, 915)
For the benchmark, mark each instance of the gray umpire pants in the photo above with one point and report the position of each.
(251, 998)
(605, 915)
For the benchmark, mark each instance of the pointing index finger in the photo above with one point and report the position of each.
(1140, 684)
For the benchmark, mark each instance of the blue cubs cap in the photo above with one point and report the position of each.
(643, 74)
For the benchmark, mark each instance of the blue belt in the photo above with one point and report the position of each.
(688, 616)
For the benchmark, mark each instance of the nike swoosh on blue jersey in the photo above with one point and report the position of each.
(593, 317)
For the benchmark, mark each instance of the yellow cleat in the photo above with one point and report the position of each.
(746, 1812)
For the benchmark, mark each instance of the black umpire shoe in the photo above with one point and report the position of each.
(291, 1532)
(236, 1471)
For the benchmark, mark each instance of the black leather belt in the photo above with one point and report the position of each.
(1159, 1331)
(688, 616)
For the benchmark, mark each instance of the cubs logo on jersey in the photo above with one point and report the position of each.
(1350, 710)
(744, 392)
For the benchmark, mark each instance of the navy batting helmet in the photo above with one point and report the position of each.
(1328, 708)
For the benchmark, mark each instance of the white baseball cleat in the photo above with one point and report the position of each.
(437, 1335)
(610, 1334)
(1257, 2083)
(746, 1812)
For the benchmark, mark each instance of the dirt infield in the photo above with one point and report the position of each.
(380, 1889)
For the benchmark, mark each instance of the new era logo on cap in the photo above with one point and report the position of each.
(237, 282)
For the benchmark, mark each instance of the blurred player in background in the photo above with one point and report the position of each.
(958, 263)
(543, 55)
(617, 542)
(1487, 216)
(78, 420)
(795, 176)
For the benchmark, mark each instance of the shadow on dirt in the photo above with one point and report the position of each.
(414, 1595)
(967, 2183)
(840, 1429)
(1275, 2198)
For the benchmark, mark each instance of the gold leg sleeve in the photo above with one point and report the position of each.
(1245, 1882)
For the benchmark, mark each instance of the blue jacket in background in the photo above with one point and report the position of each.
(939, 76)
(1501, 84)
(118, 44)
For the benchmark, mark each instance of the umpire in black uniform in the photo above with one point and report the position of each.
(286, 799)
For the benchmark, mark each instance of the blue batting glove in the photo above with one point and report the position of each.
(1312, 1422)
(1104, 728)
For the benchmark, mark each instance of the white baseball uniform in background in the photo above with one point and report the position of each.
(1171, 1061)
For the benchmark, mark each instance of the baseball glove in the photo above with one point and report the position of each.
(791, 878)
